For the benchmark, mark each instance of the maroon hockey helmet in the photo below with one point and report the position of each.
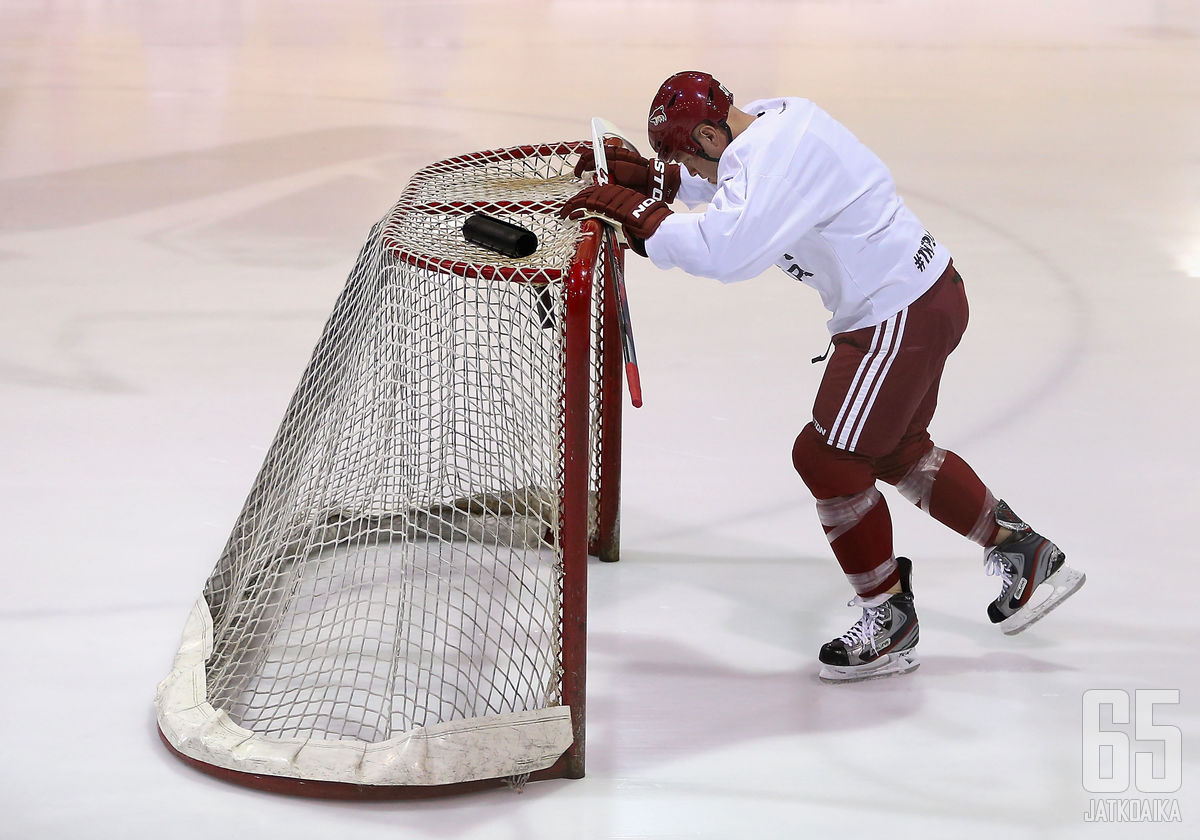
(685, 101)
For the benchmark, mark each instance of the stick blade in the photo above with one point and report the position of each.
(603, 130)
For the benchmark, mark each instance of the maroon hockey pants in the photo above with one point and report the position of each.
(871, 423)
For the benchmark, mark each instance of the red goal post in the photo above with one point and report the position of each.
(400, 609)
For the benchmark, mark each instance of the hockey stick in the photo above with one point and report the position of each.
(601, 128)
(608, 129)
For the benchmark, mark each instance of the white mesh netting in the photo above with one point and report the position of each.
(395, 579)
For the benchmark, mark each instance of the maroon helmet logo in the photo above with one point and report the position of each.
(658, 116)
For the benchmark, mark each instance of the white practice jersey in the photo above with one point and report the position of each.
(798, 190)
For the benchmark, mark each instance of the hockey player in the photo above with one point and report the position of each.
(786, 184)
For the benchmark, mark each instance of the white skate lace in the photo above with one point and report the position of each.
(866, 629)
(995, 564)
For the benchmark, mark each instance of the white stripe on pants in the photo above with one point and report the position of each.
(868, 380)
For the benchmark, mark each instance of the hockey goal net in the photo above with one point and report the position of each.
(401, 604)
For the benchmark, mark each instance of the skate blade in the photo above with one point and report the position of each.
(892, 665)
(1063, 584)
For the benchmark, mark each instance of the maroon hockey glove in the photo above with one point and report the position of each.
(636, 215)
(652, 178)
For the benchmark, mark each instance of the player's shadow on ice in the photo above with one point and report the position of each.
(997, 662)
(659, 700)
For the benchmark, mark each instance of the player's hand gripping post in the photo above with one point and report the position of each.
(652, 178)
(632, 214)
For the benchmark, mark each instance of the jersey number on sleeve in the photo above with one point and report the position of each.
(795, 270)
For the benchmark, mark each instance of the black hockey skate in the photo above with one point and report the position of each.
(880, 644)
(1034, 571)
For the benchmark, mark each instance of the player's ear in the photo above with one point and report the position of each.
(704, 133)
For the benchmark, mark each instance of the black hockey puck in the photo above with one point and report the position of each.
(499, 236)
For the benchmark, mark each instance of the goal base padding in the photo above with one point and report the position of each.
(564, 768)
(454, 752)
